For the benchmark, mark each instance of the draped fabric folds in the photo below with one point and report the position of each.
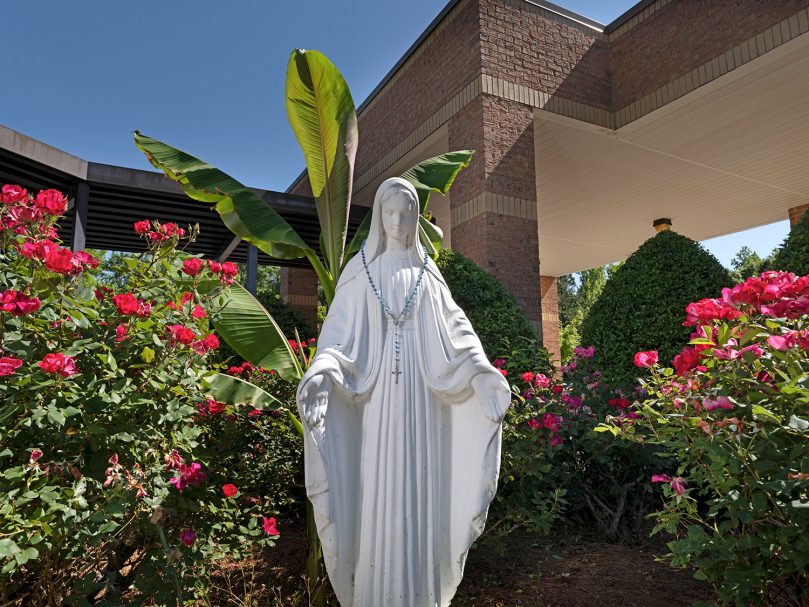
(400, 475)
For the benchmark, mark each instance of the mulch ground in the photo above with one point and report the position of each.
(527, 571)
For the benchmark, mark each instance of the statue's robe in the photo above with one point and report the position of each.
(400, 475)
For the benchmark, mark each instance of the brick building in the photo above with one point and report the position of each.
(692, 110)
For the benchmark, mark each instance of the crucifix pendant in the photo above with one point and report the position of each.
(396, 348)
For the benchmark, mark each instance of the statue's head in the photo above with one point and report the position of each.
(395, 216)
(399, 213)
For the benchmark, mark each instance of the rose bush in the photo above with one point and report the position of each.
(117, 476)
(554, 467)
(734, 410)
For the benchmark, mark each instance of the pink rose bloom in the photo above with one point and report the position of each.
(646, 359)
(584, 352)
(661, 478)
(12, 194)
(782, 343)
(720, 402)
(534, 424)
(555, 440)
(269, 526)
(678, 485)
(541, 381)
(120, 332)
(198, 312)
(8, 365)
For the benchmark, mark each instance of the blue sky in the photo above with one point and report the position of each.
(208, 76)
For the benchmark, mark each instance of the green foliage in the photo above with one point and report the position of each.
(745, 263)
(579, 300)
(642, 304)
(793, 254)
(738, 499)
(493, 311)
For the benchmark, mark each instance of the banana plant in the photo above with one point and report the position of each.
(323, 117)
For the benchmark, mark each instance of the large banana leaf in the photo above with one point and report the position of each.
(241, 209)
(322, 115)
(250, 330)
(437, 174)
(228, 389)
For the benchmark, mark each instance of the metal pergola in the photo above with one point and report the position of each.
(107, 200)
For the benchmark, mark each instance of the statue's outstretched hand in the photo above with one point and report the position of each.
(493, 394)
(315, 399)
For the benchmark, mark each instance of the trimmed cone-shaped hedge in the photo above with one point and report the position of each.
(642, 306)
(793, 254)
(501, 325)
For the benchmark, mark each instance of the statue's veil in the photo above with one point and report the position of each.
(375, 243)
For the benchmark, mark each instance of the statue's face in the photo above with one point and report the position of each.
(398, 214)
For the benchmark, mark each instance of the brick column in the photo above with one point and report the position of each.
(795, 214)
(299, 291)
(551, 337)
(493, 202)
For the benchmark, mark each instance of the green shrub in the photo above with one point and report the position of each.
(642, 304)
(493, 311)
(793, 254)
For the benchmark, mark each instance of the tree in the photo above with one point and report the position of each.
(745, 263)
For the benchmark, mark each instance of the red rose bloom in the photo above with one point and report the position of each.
(192, 266)
(56, 362)
(229, 490)
(62, 261)
(141, 227)
(182, 334)
(198, 312)
(215, 407)
(126, 303)
(211, 341)
(51, 201)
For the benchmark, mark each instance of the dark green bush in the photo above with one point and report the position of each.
(642, 305)
(793, 254)
(493, 311)
(287, 318)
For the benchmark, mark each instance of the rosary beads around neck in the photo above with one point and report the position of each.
(408, 305)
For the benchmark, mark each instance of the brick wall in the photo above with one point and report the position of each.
(683, 35)
(527, 45)
(551, 337)
(299, 291)
(441, 69)
(796, 213)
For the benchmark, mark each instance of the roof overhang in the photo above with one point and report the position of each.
(729, 156)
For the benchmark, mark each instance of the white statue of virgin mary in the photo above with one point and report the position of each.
(403, 415)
